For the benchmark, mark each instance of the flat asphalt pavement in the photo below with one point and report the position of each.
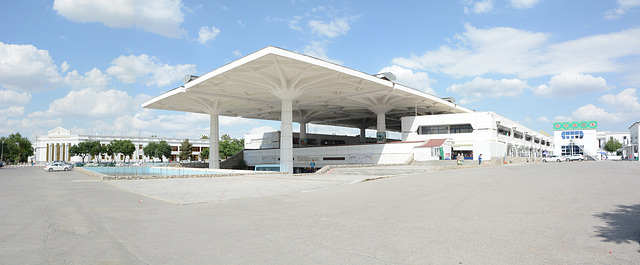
(538, 213)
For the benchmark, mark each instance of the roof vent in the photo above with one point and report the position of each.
(387, 76)
(450, 99)
(189, 78)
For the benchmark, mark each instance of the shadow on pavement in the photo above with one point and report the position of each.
(623, 225)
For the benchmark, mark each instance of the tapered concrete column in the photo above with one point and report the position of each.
(381, 131)
(286, 136)
(214, 147)
(381, 110)
(303, 134)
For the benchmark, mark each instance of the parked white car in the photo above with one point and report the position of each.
(575, 157)
(554, 158)
(57, 166)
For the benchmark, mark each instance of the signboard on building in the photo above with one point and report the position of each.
(575, 125)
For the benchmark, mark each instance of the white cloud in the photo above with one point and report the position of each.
(527, 54)
(478, 7)
(129, 69)
(206, 34)
(12, 111)
(417, 80)
(521, 4)
(481, 88)
(623, 7)
(331, 29)
(237, 53)
(24, 67)
(318, 49)
(625, 101)
(543, 119)
(88, 103)
(93, 79)
(591, 112)
(571, 84)
(14, 98)
(160, 16)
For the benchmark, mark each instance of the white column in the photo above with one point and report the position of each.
(214, 147)
(381, 110)
(303, 134)
(286, 136)
(381, 128)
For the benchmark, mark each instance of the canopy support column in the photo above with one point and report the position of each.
(381, 110)
(214, 147)
(303, 134)
(363, 136)
(286, 136)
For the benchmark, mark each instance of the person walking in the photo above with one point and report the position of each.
(480, 159)
(313, 165)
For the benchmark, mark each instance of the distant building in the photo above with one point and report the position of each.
(583, 138)
(55, 146)
(631, 149)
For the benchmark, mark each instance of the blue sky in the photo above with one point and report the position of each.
(88, 65)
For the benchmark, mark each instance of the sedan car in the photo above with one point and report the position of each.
(57, 166)
(554, 158)
(575, 157)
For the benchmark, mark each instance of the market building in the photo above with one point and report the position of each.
(280, 85)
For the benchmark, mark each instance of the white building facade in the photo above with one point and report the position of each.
(478, 133)
(55, 147)
(631, 149)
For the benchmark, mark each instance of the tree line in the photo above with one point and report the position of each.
(228, 146)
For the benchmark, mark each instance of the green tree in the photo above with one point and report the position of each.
(81, 150)
(16, 148)
(185, 150)
(204, 154)
(95, 149)
(124, 147)
(150, 150)
(163, 149)
(612, 145)
(230, 146)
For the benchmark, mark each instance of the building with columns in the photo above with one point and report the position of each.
(54, 146)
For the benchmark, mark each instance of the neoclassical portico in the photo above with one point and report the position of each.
(276, 84)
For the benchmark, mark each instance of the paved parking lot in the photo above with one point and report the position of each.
(539, 213)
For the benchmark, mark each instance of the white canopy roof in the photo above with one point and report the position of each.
(322, 93)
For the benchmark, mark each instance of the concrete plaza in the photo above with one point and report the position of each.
(537, 213)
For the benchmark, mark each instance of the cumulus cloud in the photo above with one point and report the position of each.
(331, 29)
(14, 98)
(591, 112)
(481, 88)
(623, 7)
(478, 7)
(205, 34)
(416, 80)
(128, 69)
(527, 54)
(93, 79)
(89, 103)
(318, 49)
(161, 17)
(26, 68)
(571, 84)
(12, 111)
(521, 4)
(625, 101)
